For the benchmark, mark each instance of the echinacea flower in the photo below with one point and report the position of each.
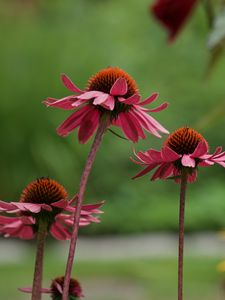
(184, 148)
(56, 289)
(172, 14)
(43, 199)
(110, 94)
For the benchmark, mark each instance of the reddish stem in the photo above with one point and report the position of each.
(83, 183)
(183, 187)
(37, 281)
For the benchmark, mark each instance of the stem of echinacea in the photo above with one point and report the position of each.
(83, 182)
(37, 280)
(183, 187)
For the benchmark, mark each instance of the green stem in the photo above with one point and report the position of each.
(183, 187)
(37, 280)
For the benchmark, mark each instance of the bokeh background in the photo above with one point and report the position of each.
(42, 39)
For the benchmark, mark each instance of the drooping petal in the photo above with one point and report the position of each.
(128, 127)
(59, 232)
(26, 233)
(158, 108)
(88, 125)
(145, 171)
(150, 99)
(66, 103)
(187, 161)
(73, 121)
(119, 87)
(69, 84)
(145, 123)
(134, 99)
(192, 177)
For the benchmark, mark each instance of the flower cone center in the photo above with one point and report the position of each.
(184, 140)
(43, 191)
(104, 80)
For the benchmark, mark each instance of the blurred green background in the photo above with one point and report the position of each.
(42, 39)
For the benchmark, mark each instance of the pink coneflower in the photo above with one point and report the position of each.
(44, 199)
(182, 153)
(184, 148)
(56, 289)
(172, 14)
(110, 98)
(39, 211)
(110, 94)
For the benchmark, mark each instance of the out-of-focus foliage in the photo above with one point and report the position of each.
(40, 40)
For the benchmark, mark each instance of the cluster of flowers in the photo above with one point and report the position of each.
(110, 98)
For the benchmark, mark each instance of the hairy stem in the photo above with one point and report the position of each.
(183, 187)
(37, 280)
(91, 157)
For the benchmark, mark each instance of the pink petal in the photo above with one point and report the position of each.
(134, 99)
(73, 121)
(34, 208)
(69, 84)
(156, 156)
(29, 290)
(145, 123)
(145, 171)
(119, 87)
(192, 177)
(26, 233)
(200, 150)
(100, 99)
(221, 163)
(169, 155)
(149, 99)
(59, 232)
(159, 108)
(58, 286)
(128, 127)
(90, 95)
(90, 207)
(158, 172)
(137, 124)
(156, 124)
(8, 220)
(88, 125)
(6, 206)
(61, 203)
(187, 161)
(109, 103)
(46, 207)
(64, 103)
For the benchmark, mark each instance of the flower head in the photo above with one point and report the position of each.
(75, 291)
(47, 200)
(56, 289)
(111, 94)
(184, 148)
(173, 14)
